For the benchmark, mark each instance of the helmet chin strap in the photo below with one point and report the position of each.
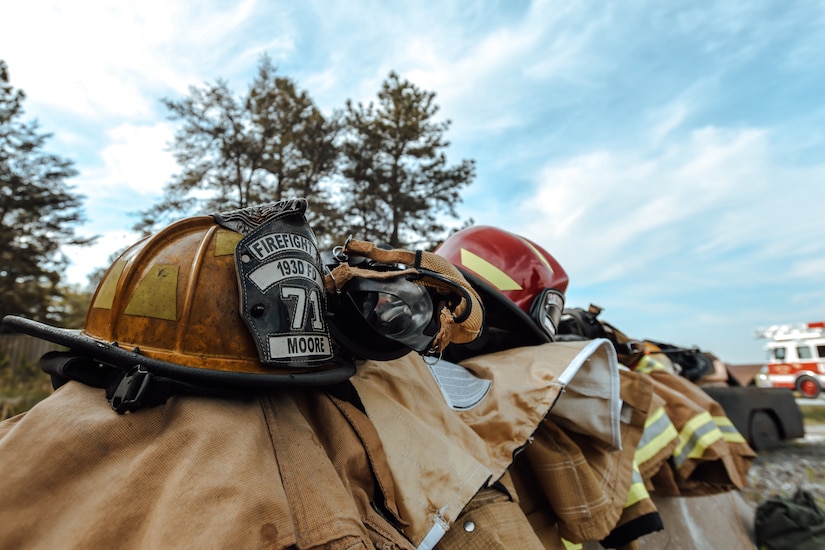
(458, 324)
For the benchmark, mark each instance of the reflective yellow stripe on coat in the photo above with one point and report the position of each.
(637, 491)
(659, 433)
(699, 433)
(729, 431)
(647, 364)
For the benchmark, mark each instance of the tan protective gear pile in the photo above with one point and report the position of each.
(400, 457)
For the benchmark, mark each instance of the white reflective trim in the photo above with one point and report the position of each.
(296, 346)
(276, 271)
(273, 243)
(433, 536)
(462, 389)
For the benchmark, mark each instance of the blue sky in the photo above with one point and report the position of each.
(670, 155)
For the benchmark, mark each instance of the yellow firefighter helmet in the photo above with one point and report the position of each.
(229, 300)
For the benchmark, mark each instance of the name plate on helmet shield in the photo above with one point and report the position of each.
(282, 292)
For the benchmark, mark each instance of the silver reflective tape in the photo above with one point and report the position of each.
(300, 345)
(274, 272)
(273, 243)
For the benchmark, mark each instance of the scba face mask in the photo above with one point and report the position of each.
(387, 302)
(396, 309)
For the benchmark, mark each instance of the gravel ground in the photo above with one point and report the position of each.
(796, 464)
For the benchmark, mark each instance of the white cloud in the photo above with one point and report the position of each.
(87, 259)
(667, 119)
(809, 269)
(490, 78)
(609, 214)
(134, 161)
(103, 57)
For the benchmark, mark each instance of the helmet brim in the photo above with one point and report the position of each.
(506, 326)
(113, 355)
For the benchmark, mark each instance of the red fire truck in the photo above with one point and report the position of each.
(796, 357)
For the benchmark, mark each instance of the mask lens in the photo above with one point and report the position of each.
(392, 316)
(400, 310)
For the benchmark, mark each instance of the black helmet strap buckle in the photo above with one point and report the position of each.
(126, 390)
(138, 388)
(132, 391)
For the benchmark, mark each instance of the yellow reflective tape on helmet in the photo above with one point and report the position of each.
(659, 431)
(729, 431)
(106, 294)
(699, 433)
(571, 545)
(226, 241)
(156, 295)
(538, 254)
(488, 271)
(638, 491)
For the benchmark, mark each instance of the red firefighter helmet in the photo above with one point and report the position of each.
(521, 285)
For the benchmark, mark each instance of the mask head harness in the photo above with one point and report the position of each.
(386, 302)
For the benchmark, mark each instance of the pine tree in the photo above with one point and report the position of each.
(38, 213)
(234, 152)
(395, 163)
